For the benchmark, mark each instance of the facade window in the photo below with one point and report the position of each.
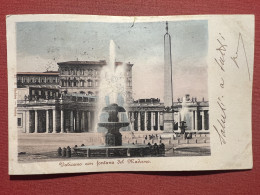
(90, 72)
(90, 83)
(62, 83)
(40, 92)
(33, 92)
(19, 122)
(96, 83)
(54, 81)
(129, 83)
(75, 83)
(90, 93)
(69, 72)
(82, 83)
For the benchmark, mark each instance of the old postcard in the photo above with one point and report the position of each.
(110, 93)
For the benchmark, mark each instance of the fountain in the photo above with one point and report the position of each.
(184, 111)
(111, 87)
(113, 137)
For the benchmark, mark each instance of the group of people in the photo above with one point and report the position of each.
(157, 149)
(151, 137)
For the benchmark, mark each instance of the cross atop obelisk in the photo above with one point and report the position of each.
(168, 91)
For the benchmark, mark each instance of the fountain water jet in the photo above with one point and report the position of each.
(112, 86)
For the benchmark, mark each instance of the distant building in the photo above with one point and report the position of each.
(63, 101)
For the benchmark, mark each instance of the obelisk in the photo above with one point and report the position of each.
(168, 91)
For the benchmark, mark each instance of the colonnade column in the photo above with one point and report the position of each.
(192, 120)
(61, 121)
(158, 121)
(36, 121)
(47, 121)
(145, 120)
(139, 120)
(129, 120)
(196, 120)
(202, 120)
(54, 120)
(27, 121)
(89, 122)
(83, 121)
(77, 121)
(152, 121)
(71, 121)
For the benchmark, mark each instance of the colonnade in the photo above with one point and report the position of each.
(198, 119)
(76, 121)
(59, 121)
(153, 120)
(146, 120)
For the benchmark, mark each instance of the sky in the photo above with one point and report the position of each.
(41, 45)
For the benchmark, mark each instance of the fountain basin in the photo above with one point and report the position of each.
(128, 150)
(113, 125)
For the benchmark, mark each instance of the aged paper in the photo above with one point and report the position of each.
(110, 93)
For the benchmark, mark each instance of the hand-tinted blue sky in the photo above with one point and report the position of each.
(40, 45)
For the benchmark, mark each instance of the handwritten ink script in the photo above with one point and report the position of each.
(237, 54)
(219, 125)
(222, 61)
(105, 162)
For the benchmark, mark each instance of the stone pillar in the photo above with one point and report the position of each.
(196, 120)
(152, 121)
(27, 121)
(47, 121)
(158, 121)
(192, 120)
(93, 120)
(139, 121)
(161, 120)
(207, 120)
(202, 120)
(54, 120)
(83, 121)
(71, 121)
(89, 122)
(145, 121)
(61, 121)
(77, 121)
(36, 122)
